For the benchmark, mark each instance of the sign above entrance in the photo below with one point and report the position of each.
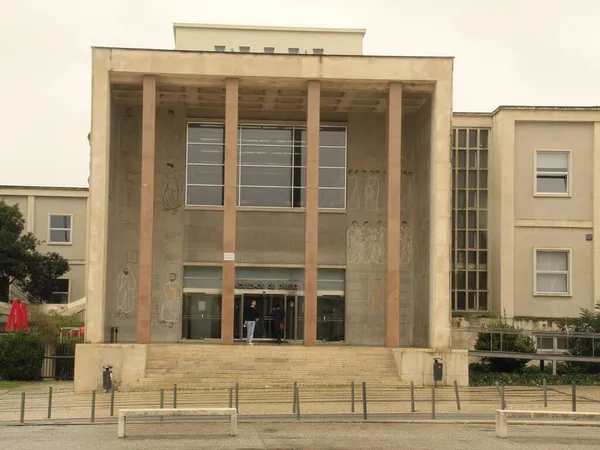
(228, 256)
(266, 286)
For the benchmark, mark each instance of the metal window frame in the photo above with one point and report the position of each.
(50, 229)
(566, 174)
(568, 272)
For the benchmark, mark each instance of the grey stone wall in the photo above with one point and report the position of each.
(332, 238)
(203, 236)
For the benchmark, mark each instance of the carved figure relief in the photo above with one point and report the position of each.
(406, 250)
(126, 293)
(372, 185)
(365, 189)
(366, 243)
(171, 196)
(170, 310)
(354, 193)
(407, 191)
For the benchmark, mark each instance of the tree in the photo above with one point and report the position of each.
(21, 265)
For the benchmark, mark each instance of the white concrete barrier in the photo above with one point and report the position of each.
(179, 412)
(502, 416)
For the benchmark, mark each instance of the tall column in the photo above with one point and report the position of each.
(311, 230)
(394, 176)
(146, 208)
(97, 244)
(440, 204)
(229, 207)
(596, 215)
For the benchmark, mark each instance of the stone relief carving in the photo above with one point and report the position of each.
(407, 191)
(406, 245)
(354, 195)
(371, 190)
(126, 293)
(366, 243)
(365, 189)
(132, 257)
(170, 310)
(171, 199)
(375, 291)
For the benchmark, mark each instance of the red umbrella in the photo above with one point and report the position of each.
(13, 316)
(23, 322)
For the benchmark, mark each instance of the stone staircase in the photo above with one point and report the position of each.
(218, 366)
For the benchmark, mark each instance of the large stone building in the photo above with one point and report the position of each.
(283, 166)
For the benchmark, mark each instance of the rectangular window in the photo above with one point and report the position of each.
(317, 51)
(552, 270)
(552, 172)
(244, 49)
(219, 48)
(293, 50)
(205, 164)
(61, 291)
(269, 49)
(60, 229)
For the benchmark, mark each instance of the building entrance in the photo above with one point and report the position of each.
(266, 328)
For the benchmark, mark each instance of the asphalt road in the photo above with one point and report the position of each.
(298, 436)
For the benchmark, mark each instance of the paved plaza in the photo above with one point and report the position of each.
(298, 436)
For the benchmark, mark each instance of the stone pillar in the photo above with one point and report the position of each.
(98, 202)
(311, 236)
(394, 178)
(229, 207)
(596, 216)
(146, 209)
(440, 204)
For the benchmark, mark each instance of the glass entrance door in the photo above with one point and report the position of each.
(265, 305)
(330, 318)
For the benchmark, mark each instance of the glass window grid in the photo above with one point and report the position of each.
(470, 158)
(298, 145)
(220, 142)
(61, 296)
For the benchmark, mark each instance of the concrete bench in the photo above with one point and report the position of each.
(502, 416)
(179, 412)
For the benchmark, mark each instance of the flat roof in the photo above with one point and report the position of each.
(527, 108)
(270, 28)
(47, 188)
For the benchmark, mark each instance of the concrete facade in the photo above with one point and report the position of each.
(38, 205)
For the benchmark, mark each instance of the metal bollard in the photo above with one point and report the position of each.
(237, 397)
(297, 404)
(112, 400)
(231, 397)
(364, 399)
(93, 413)
(174, 396)
(545, 394)
(457, 396)
(294, 397)
(22, 418)
(412, 397)
(502, 402)
(352, 397)
(432, 402)
(50, 402)
(162, 402)
(574, 397)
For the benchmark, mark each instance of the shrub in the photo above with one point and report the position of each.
(21, 356)
(48, 325)
(487, 341)
(587, 322)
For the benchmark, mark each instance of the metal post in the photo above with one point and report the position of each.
(22, 418)
(50, 402)
(112, 400)
(545, 394)
(294, 400)
(574, 397)
(456, 393)
(412, 397)
(432, 402)
(297, 404)
(162, 401)
(553, 367)
(174, 396)
(352, 396)
(502, 402)
(237, 397)
(231, 397)
(93, 413)
(364, 399)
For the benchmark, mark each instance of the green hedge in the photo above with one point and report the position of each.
(21, 356)
(482, 375)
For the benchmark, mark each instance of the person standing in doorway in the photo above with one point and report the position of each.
(251, 317)
(279, 318)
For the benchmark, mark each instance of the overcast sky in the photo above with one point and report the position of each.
(535, 52)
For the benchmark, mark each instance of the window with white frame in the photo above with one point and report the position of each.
(552, 172)
(552, 269)
(61, 291)
(205, 164)
(60, 229)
